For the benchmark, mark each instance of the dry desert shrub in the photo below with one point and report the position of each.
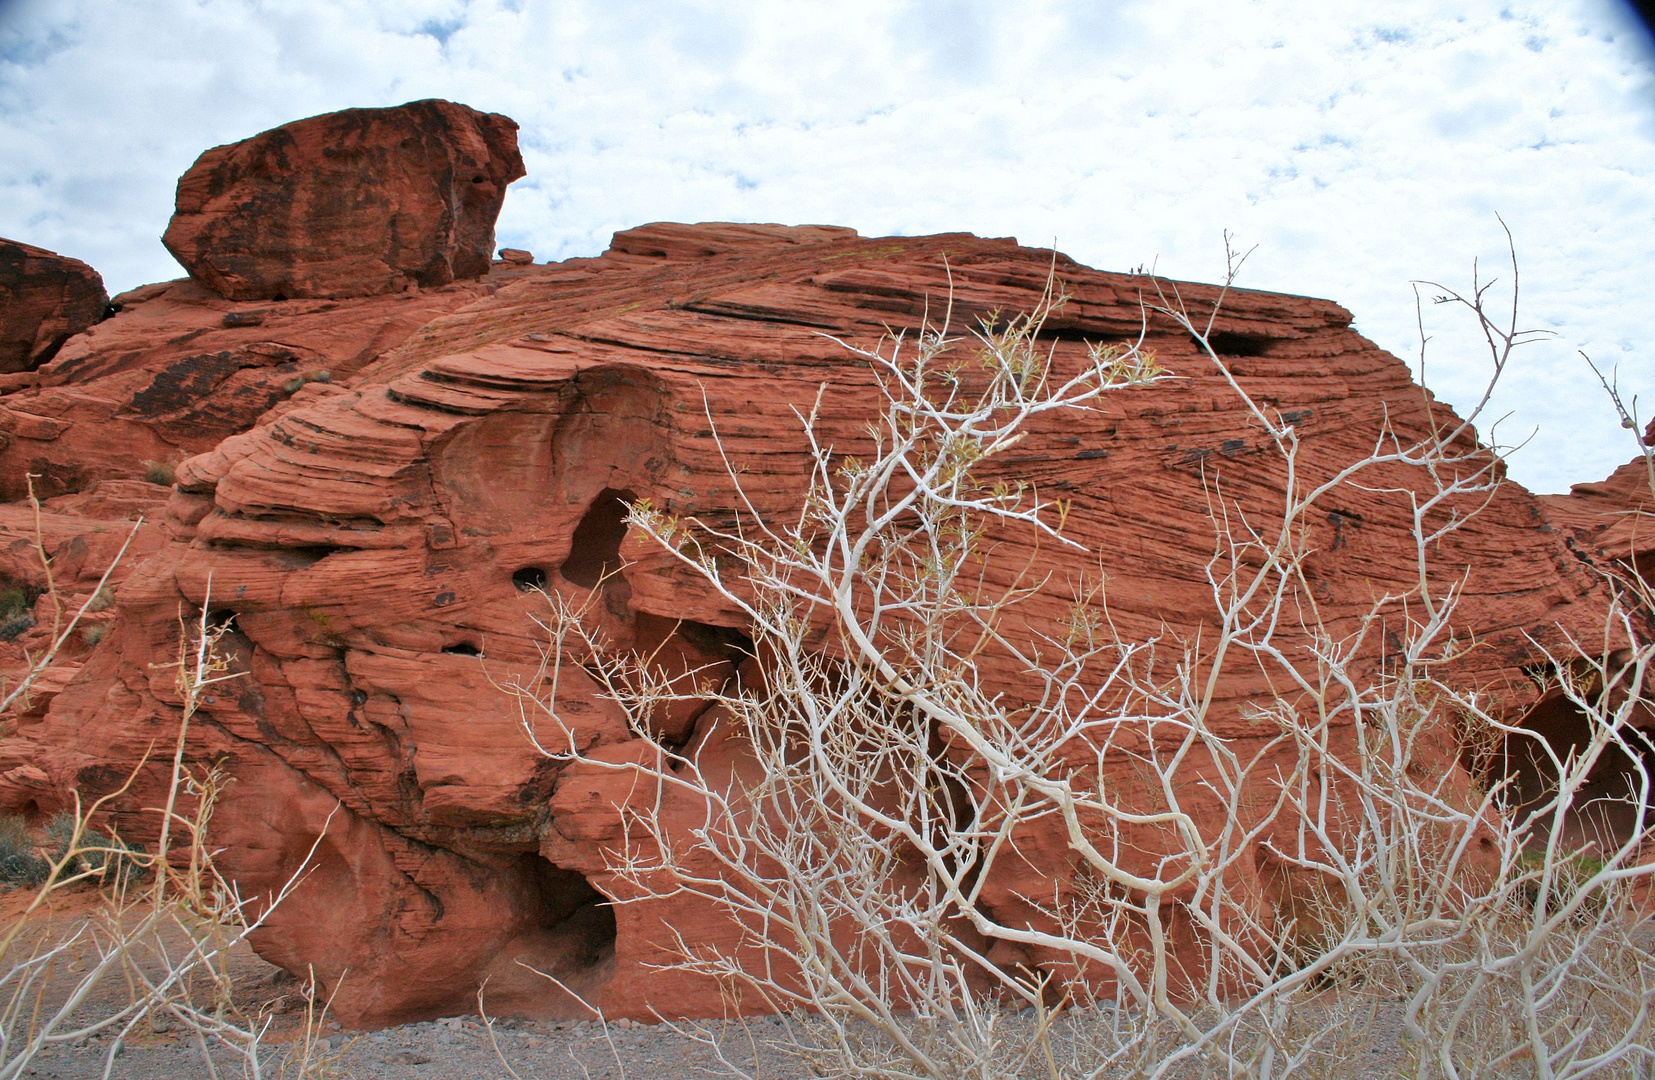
(1429, 920)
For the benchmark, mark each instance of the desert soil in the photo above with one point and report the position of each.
(453, 1048)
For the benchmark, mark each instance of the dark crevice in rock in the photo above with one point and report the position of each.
(529, 578)
(595, 549)
(1230, 343)
(576, 918)
(1606, 809)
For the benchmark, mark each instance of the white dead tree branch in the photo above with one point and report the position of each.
(913, 737)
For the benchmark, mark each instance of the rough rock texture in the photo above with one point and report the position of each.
(1610, 527)
(372, 535)
(81, 534)
(353, 203)
(178, 369)
(45, 299)
(1613, 520)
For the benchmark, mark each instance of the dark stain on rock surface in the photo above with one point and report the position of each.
(185, 382)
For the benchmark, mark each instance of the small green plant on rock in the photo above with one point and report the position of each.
(16, 611)
(298, 382)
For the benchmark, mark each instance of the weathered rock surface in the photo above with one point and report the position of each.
(354, 203)
(1613, 520)
(372, 539)
(178, 369)
(45, 299)
(82, 535)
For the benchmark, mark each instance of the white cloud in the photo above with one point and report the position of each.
(1358, 146)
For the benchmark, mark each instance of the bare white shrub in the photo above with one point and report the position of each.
(154, 953)
(1436, 922)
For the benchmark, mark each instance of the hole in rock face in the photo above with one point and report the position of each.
(596, 547)
(1605, 809)
(462, 648)
(1077, 335)
(567, 909)
(727, 641)
(1229, 343)
(221, 619)
(690, 658)
(529, 578)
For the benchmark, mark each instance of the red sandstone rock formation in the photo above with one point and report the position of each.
(1608, 526)
(45, 299)
(354, 203)
(372, 538)
(82, 534)
(1613, 520)
(178, 369)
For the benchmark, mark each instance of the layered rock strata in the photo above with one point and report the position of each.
(361, 202)
(177, 369)
(376, 543)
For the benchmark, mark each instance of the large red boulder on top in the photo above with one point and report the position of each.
(45, 299)
(352, 203)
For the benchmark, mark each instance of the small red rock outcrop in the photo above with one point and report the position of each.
(81, 534)
(372, 538)
(45, 299)
(1612, 521)
(354, 203)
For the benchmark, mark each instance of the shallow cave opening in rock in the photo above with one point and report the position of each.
(731, 643)
(221, 619)
(1605, 810)
(529, 578)
(1231, 343)
(565, 907)
(462, 648)
(595, 549)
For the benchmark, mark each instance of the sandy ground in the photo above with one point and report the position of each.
(460, 1049)
(456, 1048)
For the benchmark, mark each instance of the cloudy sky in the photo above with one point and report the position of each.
(1360, 146)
